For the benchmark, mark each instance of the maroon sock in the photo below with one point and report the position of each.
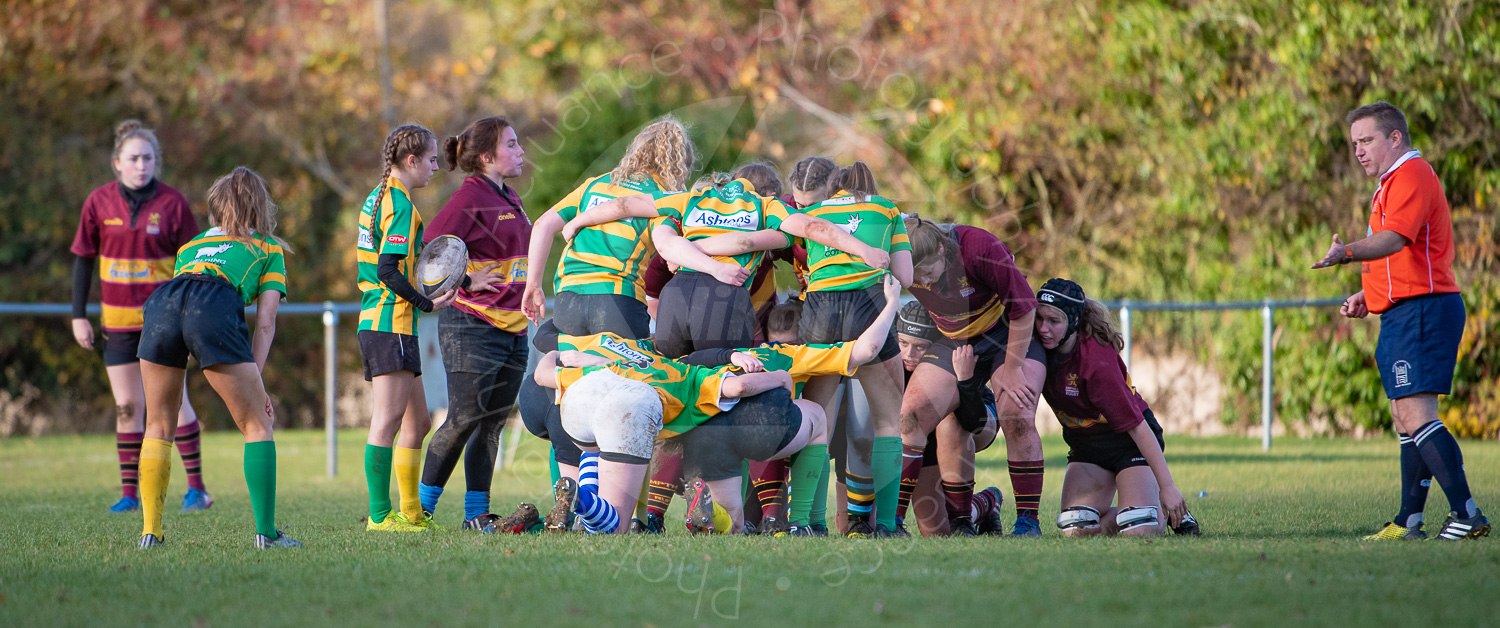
(665, 482)
(1026, 484)
(768, 479)
(128, 446)
(188, 446)
(911, 471)
(982, 503)
(958, 496)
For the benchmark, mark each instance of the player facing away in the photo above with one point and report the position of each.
(1115, 443)
(642, 399)
(131, 228)
(968, 281)
(598, 279)
(1407, 278)
(483, 335)
(843, 297)
(389, 230)
(201, 312)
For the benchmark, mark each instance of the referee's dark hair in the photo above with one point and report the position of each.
(1387, 118)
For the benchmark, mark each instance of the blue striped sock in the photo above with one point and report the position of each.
(429, 496)
(598, 516)
(588, 470)
(476, 503)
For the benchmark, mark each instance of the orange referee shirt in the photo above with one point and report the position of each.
(1410, 202)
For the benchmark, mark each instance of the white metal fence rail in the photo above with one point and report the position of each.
(331, 313)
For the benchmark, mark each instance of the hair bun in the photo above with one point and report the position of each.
(127, 127)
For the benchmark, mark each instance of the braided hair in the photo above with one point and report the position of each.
(407, 140)
(813, 173)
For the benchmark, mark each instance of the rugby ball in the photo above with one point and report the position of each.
(442, 265)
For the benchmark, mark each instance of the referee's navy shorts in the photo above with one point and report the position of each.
(1418, 344)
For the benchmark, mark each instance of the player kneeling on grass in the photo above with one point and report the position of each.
(234, 264)
(1115, 442)
(615, 410)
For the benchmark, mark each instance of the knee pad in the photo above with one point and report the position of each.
(1077, 517)
(1136, 516)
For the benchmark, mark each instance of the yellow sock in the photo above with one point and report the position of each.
(155, 471)
(406, 465)
(723, 523)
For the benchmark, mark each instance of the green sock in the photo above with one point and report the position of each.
(747, 487)
(806, 467)
(552, 465)
(885, 466)
(818, 515)
(260, 478)
(378, 477)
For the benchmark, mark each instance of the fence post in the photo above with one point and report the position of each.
(330, 384)
(1125, 330)
(1266, 410)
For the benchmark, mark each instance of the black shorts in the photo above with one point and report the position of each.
(1113, 451)
(830, 316)
(384, 352)
(543, 418)
(697, 312)
(195, 314)
(120, 347)
(1418, 346)
(588, 314)
(929, 455)
(756, 428)
(989, 351)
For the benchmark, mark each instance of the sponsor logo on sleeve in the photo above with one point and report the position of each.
(396, 239)
(631, 356)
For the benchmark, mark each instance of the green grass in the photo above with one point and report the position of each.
(1280, 547)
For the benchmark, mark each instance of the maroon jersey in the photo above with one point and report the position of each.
(135, 255)
(492, 224)
(969, 301)
(1090, 390)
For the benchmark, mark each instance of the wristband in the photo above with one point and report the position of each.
(1348, 255)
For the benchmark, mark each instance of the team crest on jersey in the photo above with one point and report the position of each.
(732, 191)
(964, 289)
(740, 221)
(1071, 387)
(213, 250)
(852, 225)
(1401, 370)
(153, 224)
(632, 357)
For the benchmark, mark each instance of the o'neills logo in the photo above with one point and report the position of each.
(743, 221)
(633, 357)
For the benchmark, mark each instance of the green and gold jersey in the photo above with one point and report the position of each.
(252, 267)
(875, 221)
(803, 362)
(733, 207)
(609, 258)
(398, 232)
(689, 394)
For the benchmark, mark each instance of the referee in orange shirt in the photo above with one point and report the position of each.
(1407, 277)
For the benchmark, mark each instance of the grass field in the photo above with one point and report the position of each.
(1279, 547)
